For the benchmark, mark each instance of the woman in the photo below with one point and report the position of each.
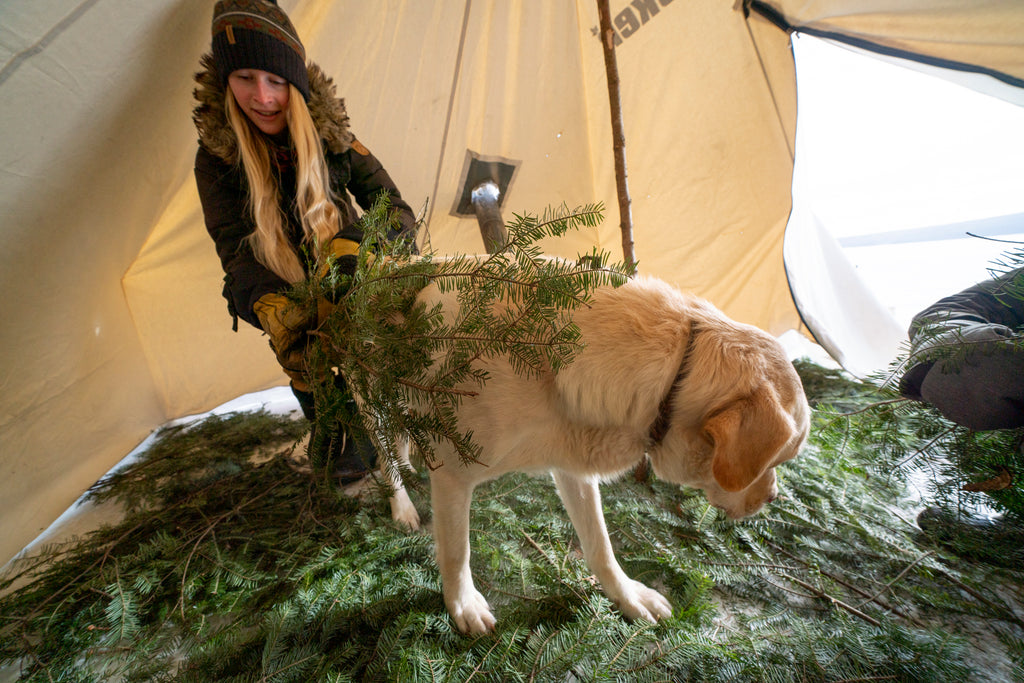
(275, 167)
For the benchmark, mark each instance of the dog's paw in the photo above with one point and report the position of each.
(637, 601)
(471, 613)
(404, 512)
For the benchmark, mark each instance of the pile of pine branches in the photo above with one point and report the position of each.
(227, 567)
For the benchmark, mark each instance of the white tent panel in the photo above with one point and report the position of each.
(891, 157)
(88, 162)
(846, 316)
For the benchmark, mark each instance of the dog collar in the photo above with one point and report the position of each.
(659, 428)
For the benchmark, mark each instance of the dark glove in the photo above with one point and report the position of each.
(344, 254)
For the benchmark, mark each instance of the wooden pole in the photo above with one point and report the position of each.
(618, 135)
(611, 68)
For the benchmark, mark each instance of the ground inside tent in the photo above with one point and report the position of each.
(833, 582)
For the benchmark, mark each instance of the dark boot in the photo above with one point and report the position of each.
(357, 459)
(996, 540)
(348, 459)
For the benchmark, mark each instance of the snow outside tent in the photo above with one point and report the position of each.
(112, 320)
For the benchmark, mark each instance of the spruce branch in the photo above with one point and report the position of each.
(411, 365)
(876, 598)
(818, 592)
(874, 406)
(890, 584)
(927, 447)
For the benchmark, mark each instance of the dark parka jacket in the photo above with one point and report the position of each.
(223, 188)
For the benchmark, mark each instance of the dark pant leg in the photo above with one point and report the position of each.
(984, 391)
(348, 454)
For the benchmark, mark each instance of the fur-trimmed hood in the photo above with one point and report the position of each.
(215, 133)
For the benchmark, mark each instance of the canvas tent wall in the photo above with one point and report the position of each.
(112, 319)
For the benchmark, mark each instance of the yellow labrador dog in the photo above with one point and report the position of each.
(714, 403)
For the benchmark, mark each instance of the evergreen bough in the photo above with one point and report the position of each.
(410, 364)
(248, 570)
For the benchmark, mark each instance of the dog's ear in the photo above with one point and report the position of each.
(746, 435)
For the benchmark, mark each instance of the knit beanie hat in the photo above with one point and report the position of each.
(257, 34)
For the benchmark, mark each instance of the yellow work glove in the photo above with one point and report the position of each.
(286, 323)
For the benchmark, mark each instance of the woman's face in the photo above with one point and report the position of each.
(262, 96)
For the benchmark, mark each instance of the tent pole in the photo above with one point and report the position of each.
(618, 135)
(642, 471)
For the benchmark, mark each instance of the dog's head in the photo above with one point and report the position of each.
(748, 438)
(742, 411)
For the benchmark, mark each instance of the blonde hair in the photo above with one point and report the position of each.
(319, 215)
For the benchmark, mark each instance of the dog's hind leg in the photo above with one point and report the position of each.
(450, 498)
(582, 500)
(402, 509)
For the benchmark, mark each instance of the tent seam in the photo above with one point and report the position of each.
(15, 62)
(776, 17)
(771, 90)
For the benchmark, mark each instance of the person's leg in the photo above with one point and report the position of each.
(356, 456)
(348, 458)
(305, 399)
(983, 392)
